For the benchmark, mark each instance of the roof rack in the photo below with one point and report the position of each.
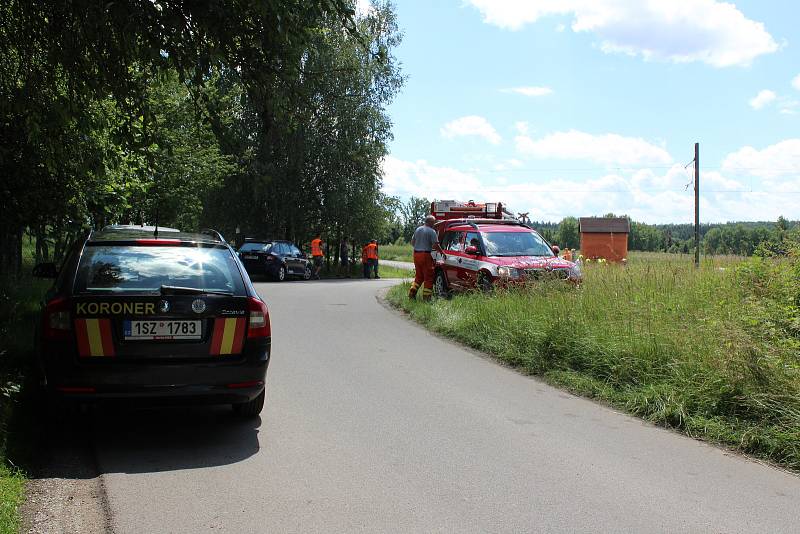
(454, 209)
(474, 222)
(213, 233)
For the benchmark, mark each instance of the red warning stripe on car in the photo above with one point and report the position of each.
(94, 337)
(228, 336)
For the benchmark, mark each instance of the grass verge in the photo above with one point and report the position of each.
(356, 271)
(713, 352)
(397, 252)
(19, 298)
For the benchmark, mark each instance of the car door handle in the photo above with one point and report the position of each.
(459, 260)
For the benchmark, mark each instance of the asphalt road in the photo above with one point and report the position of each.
(373, 425)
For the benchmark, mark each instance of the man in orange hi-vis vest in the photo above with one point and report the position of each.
(317, 254)
(364, 263)
(371, 252)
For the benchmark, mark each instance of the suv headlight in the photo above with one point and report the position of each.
(508, 272)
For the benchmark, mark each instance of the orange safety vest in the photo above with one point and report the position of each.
(364, 254)
(372, 251)
(316, 247)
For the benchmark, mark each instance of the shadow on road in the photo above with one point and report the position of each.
(121, 439)
(166, 439)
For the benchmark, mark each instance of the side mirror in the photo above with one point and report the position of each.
(556, 250)
(471, 249)
(45, 270)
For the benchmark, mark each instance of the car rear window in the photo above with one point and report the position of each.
(136, 268)
(255, 247)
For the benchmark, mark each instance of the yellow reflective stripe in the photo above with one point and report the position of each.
(95, 340)
(227, 336)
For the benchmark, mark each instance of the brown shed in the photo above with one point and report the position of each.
(606, 238)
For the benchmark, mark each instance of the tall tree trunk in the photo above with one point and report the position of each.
(10, 251)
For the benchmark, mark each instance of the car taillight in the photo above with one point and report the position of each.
(57, 324)
(258, 321)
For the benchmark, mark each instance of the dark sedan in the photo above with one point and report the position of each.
(275, 258)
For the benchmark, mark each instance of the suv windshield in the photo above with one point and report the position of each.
(256, 247)
(515, 244)
(126, 268)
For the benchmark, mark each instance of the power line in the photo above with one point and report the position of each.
(629, 168)
(609, 191)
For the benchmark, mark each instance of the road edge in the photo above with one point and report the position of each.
(67, 494)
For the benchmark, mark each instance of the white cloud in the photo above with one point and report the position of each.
(713, 32)
(522, 127)
(796, 82)
(609, 149)
(471, 125)
(762, 99)
(647, 195)
(420, 178)
(529, 91)
(774, 163)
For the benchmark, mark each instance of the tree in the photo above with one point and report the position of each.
(413, 213)
(568, 233)
(118, 111)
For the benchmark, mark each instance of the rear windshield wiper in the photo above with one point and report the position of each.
(178, 290)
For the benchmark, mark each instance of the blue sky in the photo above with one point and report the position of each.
(582, 107)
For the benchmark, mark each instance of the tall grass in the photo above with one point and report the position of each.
(397, 252)
(713, 352)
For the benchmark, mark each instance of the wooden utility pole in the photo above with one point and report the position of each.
(697, 204)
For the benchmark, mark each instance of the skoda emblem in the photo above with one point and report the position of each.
(163, 306)
(198, 306)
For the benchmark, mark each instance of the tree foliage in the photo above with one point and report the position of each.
(267, 116)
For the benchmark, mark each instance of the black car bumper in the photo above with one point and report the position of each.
(204, 381)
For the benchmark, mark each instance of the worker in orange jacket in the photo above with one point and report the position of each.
(317, 254)
(371, 255)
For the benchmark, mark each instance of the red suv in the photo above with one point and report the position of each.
(484, 252)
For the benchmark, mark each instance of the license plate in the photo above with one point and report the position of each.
(143, 330)
(250, 257)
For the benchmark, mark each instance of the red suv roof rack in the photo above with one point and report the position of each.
(443, 226)
(445, 210)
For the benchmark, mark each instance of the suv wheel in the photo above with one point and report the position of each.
(281, 276)
(308, 272)
(440, 288)
(251, 408)
(485, 282)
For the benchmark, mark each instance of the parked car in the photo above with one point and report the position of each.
(137, 315)
(483, 253)
(277, 259)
